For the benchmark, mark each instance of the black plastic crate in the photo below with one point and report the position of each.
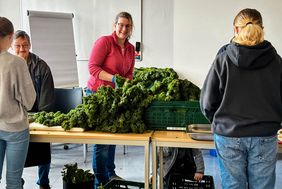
(187, 182)
(173, 115)
(123, 184)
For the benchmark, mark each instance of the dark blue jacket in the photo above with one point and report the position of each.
(241, 95)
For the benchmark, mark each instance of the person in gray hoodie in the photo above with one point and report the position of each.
(17, 96)
(241, 97)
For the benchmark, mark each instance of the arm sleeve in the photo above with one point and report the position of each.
(25, 92)
(47, 96)
(210, 97)
(97, 57)
(129, 74)
(199, 160)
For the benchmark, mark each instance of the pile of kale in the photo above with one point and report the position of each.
(121, 110)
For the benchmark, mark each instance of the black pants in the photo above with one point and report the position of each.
(38, 154)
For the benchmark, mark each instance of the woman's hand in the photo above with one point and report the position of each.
(118, 80)
(198, 176)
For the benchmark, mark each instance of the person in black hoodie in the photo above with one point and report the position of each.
(241, 97)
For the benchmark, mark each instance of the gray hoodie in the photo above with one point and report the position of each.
(17, 94)
(241, 95)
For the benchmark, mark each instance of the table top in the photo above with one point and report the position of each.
(159, 138)
(182, 139)
(89, 137)
(179, 139)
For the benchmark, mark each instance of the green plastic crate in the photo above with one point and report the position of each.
(173, 115)
(123, 184)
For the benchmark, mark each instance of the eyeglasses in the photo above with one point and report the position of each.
(121, 25)
(23, 46)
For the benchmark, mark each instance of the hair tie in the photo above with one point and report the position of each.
(249, 23)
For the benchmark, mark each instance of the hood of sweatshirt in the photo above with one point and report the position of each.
(251, 57)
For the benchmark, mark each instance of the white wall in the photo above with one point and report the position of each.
(183, 34)
(12, 11)
(201, 27)
(157, 33)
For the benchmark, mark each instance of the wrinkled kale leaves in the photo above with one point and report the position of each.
(121, 110)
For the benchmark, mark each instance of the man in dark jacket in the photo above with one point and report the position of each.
(38, 153)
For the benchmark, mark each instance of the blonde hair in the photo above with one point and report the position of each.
(251, 28)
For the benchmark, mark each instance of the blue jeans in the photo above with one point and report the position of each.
(103, 163)
(43, 172)
(14, 145)
(247, 162)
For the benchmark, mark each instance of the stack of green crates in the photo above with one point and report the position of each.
(173, 115)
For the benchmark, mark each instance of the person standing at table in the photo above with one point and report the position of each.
(110, 55)
(241, 97)
(38, 153)
(17, 95)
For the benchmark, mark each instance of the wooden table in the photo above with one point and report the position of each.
(159, 140)
(177, 139)
(92, 137)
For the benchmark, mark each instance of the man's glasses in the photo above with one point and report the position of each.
(127, 26)
(21, 46)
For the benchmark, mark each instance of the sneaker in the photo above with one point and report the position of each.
(45, 186)
(150, 179)
(116, 177)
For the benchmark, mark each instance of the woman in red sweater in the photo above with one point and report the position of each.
(110, 55)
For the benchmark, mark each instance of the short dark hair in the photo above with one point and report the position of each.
(22, 34)
(6, 27)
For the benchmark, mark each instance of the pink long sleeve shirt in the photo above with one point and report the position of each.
(107, 55)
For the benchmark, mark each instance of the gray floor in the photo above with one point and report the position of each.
(130, 166)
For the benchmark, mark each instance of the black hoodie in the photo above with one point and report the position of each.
(242, 93)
